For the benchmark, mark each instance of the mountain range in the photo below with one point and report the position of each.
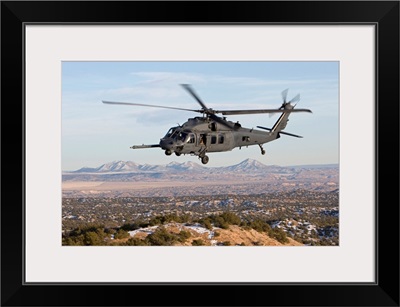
(127, 178)
(248, 165)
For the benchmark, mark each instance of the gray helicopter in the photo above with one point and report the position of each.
(211, 133)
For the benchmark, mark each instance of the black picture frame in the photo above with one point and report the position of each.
(383, 14)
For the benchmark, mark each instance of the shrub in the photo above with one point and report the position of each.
(260, 226)
(161, 237)
(130, 227)
(136, 242)
(279, 235)
(220, 222)
(207, 223)
(121, 234)
(183, 236)
(92, 238)
(231, 218)
(198, 242)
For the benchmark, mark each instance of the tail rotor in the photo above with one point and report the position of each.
(285, 102)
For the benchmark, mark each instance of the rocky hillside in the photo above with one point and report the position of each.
(233, 236)
(224, 229)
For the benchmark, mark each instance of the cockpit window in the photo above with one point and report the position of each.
(170, 132)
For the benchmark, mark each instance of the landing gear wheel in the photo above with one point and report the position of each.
(205, 159)
(168, 152)
(178, 153)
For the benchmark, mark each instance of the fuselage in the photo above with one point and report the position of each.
(203, 134)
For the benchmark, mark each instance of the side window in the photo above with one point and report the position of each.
(191, 139)
(221, 139)
(203, 139)
(213, 139)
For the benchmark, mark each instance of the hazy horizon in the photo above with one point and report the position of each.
(197, 162)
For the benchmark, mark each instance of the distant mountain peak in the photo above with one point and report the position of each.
(114, 166)
(191, 164)
(188, 165)
(117, 166)
(249, 161)
(248, 165)
(173, 163)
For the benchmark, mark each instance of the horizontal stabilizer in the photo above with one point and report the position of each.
(145, 146)
(290, 134)
(265, 128)
(281, 132)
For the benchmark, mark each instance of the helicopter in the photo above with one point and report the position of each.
(211, 133)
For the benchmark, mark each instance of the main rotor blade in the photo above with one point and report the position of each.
(191, 91)
(150, 105)
(260, 111)
(221, 121)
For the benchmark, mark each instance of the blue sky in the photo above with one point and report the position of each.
(94, 133)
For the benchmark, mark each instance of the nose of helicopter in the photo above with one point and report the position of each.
(166, 143)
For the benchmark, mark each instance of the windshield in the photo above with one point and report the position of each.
(170, 132)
